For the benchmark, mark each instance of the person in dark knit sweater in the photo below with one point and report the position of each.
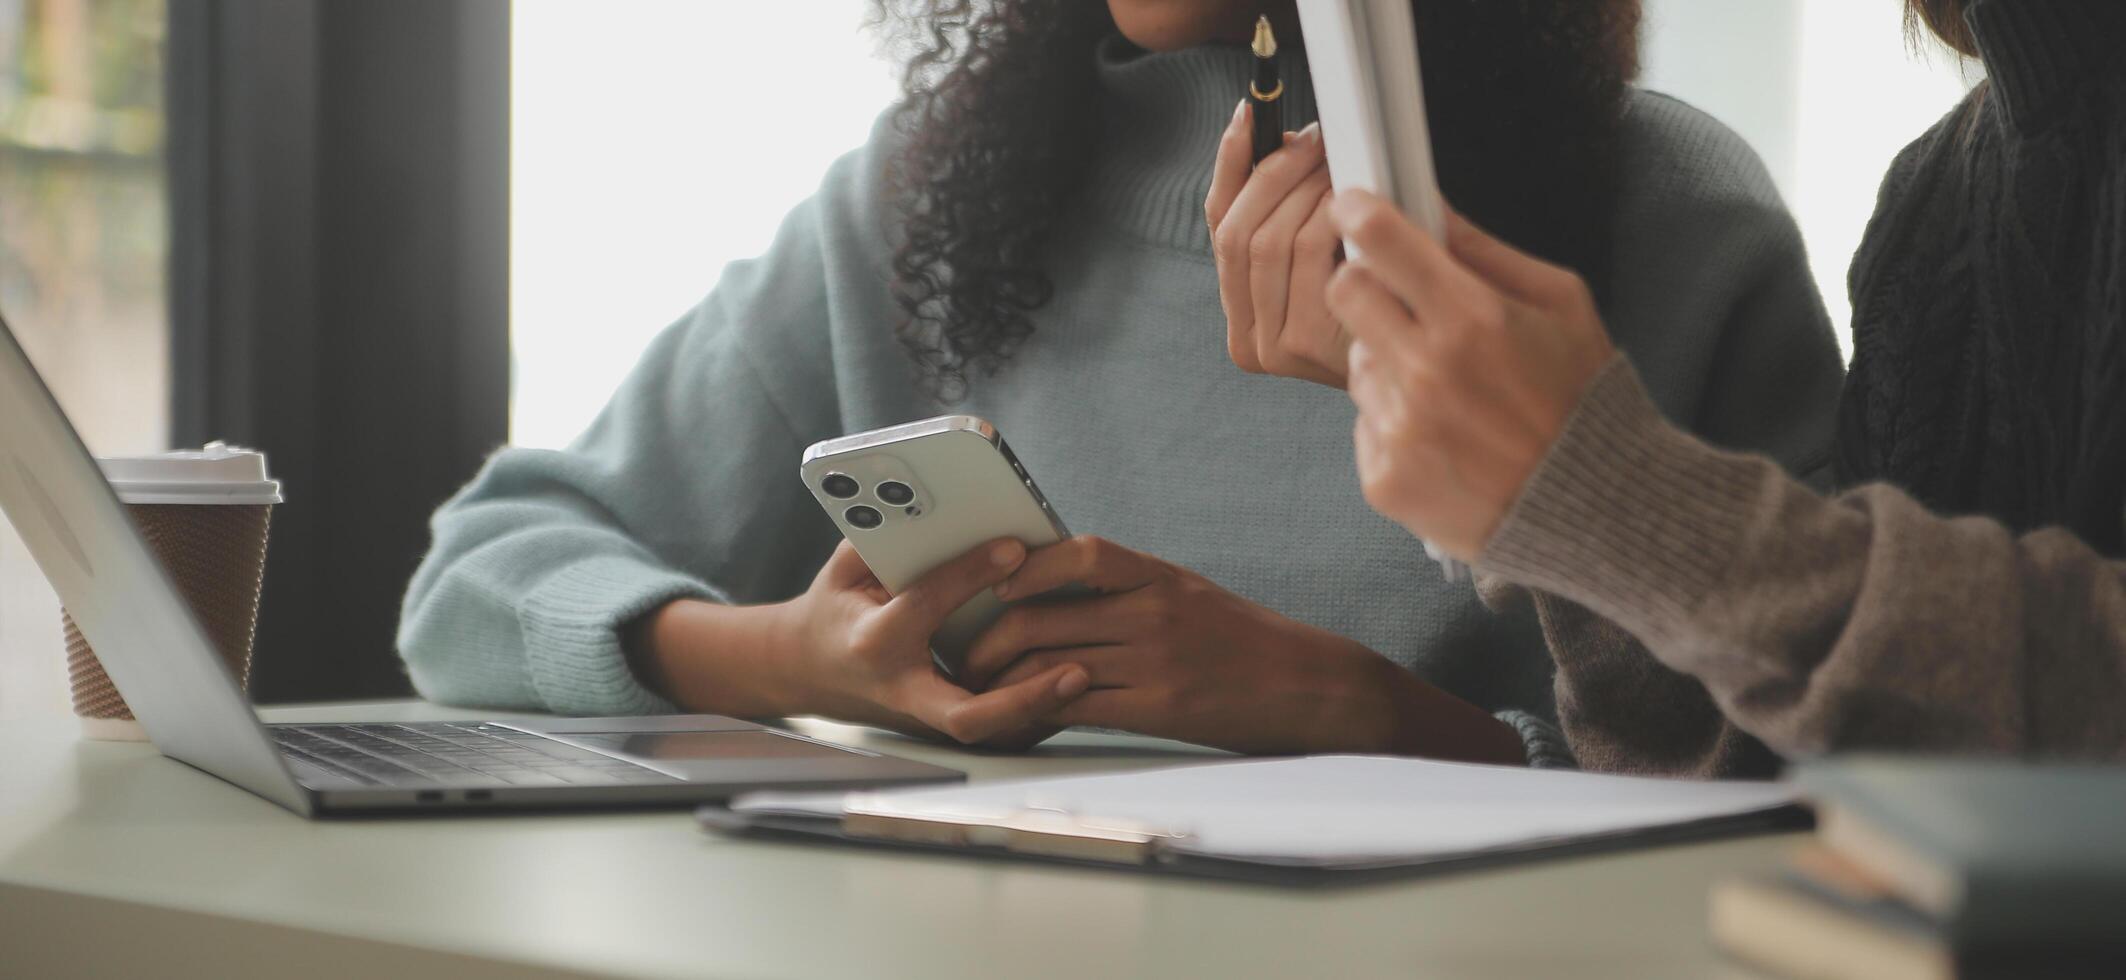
(1707, 613)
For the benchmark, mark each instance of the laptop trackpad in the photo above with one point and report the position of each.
(707, 755)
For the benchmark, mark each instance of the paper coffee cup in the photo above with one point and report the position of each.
(205, 513)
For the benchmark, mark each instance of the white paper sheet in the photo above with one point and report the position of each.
(1339, 811)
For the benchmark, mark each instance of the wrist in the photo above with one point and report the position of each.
(706, 656)
(1422, 720)
(1365, 708)
(777, 655)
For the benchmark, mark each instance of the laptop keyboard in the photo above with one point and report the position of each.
(446, 754)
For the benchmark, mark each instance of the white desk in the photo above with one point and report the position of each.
(117, 862)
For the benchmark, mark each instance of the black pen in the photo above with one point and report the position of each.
(1265, 91)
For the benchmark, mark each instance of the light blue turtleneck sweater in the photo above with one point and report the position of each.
(1123, 404)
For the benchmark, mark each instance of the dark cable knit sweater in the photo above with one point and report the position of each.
(1988, 311)
(1701, 606)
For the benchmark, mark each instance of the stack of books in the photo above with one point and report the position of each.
(1938, 870)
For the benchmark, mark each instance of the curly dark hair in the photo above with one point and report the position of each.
(1525, 98)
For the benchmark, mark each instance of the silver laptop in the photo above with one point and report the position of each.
(184, 696)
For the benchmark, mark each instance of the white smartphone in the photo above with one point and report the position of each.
(913, 497)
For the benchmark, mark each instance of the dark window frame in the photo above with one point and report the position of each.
(339, 196)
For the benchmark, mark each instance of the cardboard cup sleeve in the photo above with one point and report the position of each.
(216, 554)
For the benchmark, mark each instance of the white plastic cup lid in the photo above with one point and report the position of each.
(216, 474)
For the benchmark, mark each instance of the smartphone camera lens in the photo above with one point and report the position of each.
(863, 517)
(896, 493)
(840, 486)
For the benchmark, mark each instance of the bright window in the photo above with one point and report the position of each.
(1827, 91)
(654, 141)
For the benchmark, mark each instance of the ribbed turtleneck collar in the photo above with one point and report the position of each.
(2037, 52)
(1162, 115)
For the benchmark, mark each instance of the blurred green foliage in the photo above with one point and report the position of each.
(82, 76)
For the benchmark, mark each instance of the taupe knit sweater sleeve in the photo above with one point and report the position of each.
(1816, 624)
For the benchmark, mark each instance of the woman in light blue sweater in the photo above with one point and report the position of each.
(1023, 238)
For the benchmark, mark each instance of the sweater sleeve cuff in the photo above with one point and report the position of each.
(1546, 745)
(1627, 515)
(572, 624)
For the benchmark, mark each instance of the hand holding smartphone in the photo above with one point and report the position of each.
(912, 497)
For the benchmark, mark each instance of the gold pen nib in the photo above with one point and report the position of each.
(1265, 40)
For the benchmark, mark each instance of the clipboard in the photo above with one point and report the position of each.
(1039, 821)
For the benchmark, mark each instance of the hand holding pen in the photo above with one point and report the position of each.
(1271, 234)
(1276, 249)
